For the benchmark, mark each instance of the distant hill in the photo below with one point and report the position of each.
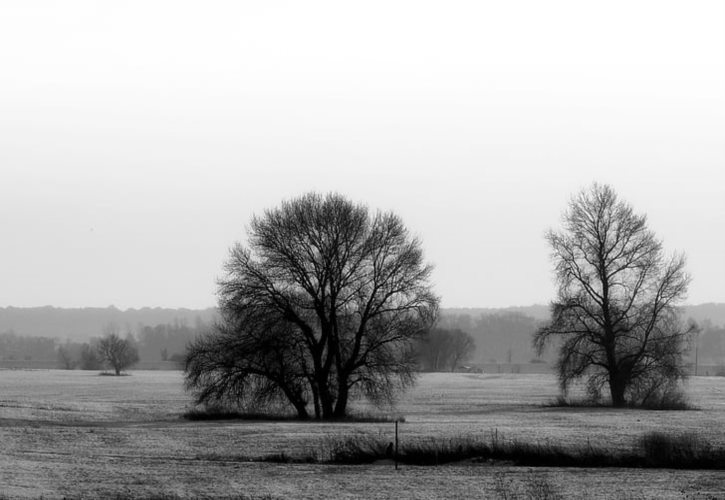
(505, 334)
(712, 311)
(536, 311)
(84, 323)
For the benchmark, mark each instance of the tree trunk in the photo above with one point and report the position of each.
(296, 399)
(301, 408)
(617, 387)
(326, 399)
(315, 399)
(342, 397)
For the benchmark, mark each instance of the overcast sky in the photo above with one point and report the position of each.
(138, 138)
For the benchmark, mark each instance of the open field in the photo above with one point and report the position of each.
(76, 434)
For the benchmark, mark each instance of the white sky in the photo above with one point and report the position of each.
(138, 137)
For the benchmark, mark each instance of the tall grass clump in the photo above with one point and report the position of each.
(673, 399)
(687, 450)
(367, 449)
(654, 449)
(360, 449)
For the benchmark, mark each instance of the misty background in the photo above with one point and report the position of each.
(36, 337)
(137, 139)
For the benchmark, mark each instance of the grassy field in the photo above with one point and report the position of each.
(76, 434)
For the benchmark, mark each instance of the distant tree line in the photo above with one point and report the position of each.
(445, 350)
(498, 337)
(163, 342)
(16, 348)
(709, 344)
(503, 337)
(82, 324)
(84, 356)
(168, 342)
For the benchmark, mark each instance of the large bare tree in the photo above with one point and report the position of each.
(615, 317)
(324, 304)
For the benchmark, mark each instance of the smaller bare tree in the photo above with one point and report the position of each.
(117, 353)
(616, 318)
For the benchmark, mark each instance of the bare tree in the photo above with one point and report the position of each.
(615, 316)
(117, 353)
(323, 305)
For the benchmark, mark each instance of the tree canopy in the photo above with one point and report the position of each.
(615, 317)
(322, 305)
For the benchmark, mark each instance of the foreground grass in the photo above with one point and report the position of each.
(168, 496)
(74, 434)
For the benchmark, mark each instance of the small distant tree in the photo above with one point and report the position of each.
(615, 317)
(117, 353)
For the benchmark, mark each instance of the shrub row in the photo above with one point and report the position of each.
(653, 450)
